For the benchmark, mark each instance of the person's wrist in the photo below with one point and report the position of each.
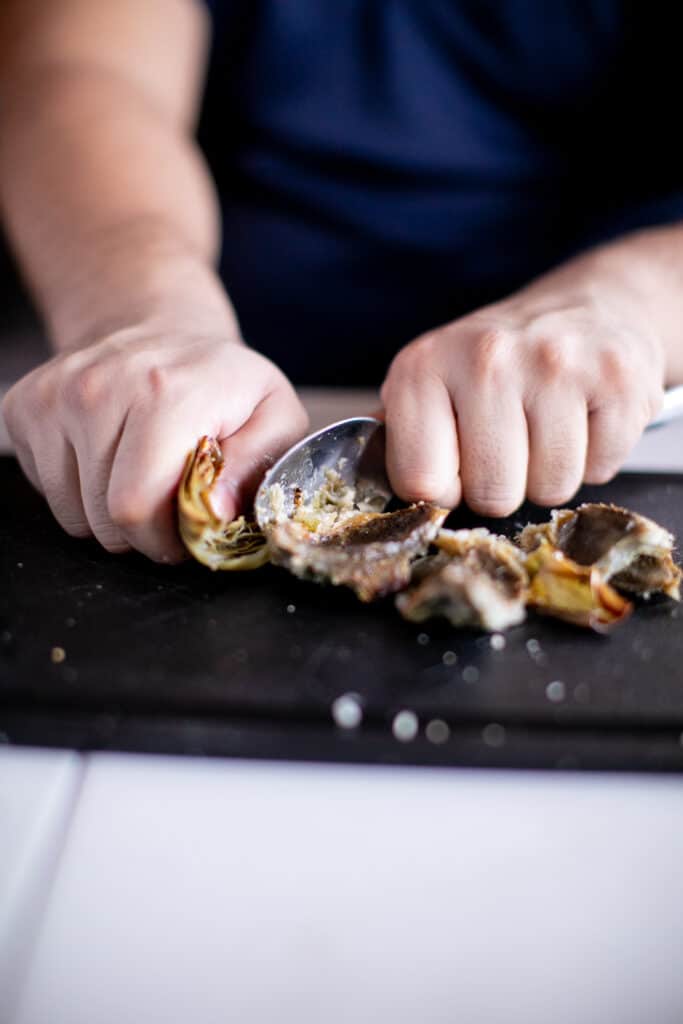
(136, 276)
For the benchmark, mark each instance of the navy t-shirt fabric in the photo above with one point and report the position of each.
(385, 166)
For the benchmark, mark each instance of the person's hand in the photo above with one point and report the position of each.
(103, 431)
(530, 396)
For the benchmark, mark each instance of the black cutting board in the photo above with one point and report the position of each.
(180, 659)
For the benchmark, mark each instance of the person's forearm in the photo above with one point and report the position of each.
(108, 205)
(642, 274)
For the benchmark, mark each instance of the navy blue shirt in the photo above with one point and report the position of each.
(385, 166)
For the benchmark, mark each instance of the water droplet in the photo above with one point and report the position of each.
(533, 647)
(449, 657)
(470, 674)
(423, 639)
(290, 609)
(493, 735)
(582, 693)
(556, 691)
(405, 726)
(57, 655)
(497, 642)
(437, 731)
(347, 711)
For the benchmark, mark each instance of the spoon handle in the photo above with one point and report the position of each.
(672, 407)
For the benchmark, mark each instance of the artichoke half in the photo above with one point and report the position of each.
(235, 545)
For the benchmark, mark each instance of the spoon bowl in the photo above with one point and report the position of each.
(354, 448)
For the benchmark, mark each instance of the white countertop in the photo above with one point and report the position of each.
(145, 889)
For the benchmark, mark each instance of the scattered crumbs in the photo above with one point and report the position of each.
(582, 693)
(100, 586)
(347, 711)
(70, 622)
(449, 657)
(405, 726)
(423, 639)
(493, 735)
(470, 674)
(497, 642)
(437, 731)
(20, 565)
(556, 691)
(291, 608)
(57, 655)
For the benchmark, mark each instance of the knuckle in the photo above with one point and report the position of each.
(599, 471)
(128, 510)
(490, 353)
(85, 388)
(419, 485)
(414, 357)
(615, 368)
(548, 494)
(75, 527)
(493, 502)
(158, 382)
(115, 546)
(553, 359)
(10, 409)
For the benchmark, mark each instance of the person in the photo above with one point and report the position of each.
(477, 201)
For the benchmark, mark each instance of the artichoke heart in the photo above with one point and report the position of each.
(215, 543)
(477, 579)
(632, 553)
(575, 593)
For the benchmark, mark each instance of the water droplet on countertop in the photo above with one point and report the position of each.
(493, 734)
(347, 711)
(556, 691)
(437, 731)
(405, 726)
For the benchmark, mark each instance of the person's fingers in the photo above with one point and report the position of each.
(493, 450)
(558, 437)
(28, 464)
(422, 444)
(613, 430)
(57, 470)
(276, 423)
(94, 469)
(145, 472)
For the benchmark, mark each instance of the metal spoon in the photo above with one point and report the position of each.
(353, 448)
